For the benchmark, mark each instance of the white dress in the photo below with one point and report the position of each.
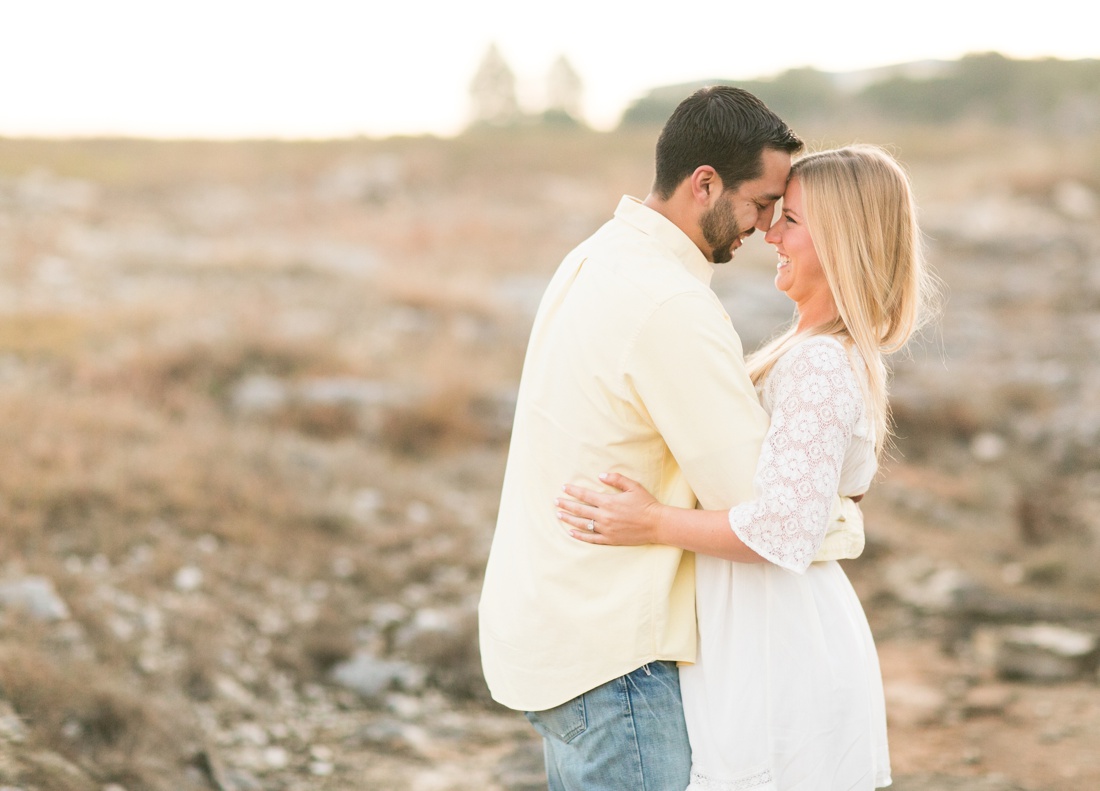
(787, 693)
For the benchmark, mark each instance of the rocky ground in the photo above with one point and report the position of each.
(255, 401)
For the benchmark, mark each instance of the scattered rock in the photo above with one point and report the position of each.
(914, 704)
(371, 676)
(394, 737)
(35, 596)
(276, 757)
(1046, 652)
(12, 728)
(918, 582)
(988, 447)
(188, 578)
(991, 700)
(259, 395)
(366, 504)
(348, 391)
(1076, 200)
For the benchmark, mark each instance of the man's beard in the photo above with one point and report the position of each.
(720, 230)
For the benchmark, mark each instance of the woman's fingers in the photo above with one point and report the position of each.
(584, 495)
(588, 538)
(598, 499)
(620, 482)
(573, 519)
(575, 508)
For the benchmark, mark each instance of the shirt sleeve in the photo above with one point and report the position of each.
(686, 371)
(816, 401)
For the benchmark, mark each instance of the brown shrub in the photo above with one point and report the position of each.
(322, 421)
(86, 712)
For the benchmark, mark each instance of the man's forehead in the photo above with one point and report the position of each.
(771, 184)
(761, 191)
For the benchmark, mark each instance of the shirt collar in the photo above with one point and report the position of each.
(654, 224)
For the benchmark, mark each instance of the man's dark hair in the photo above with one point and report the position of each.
(725, 127)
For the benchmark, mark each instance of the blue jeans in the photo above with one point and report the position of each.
(626, 734)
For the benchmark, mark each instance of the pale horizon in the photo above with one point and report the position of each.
(240, 69)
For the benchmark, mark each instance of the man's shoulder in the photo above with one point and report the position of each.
(621, 252)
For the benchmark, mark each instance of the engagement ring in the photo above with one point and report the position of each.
(591, 525)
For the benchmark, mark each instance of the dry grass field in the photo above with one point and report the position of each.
(254, 406)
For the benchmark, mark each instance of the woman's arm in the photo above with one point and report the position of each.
(817, 401)
(635, 517)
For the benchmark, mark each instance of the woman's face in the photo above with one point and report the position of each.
(799, 274)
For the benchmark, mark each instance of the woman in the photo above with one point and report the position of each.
(787, 693)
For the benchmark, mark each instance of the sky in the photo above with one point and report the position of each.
(336, 68)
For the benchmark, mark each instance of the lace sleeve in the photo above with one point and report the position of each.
(816, 402)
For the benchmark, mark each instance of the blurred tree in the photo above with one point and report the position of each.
(797, 95)
(800, 93)
(564, 90)
(654, 108)
(493, 91)
(935, 100)
(1048, 94)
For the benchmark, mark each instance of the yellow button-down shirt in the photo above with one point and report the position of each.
(634, 367)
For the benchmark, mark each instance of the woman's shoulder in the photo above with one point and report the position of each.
(823, 363)
(818, 352)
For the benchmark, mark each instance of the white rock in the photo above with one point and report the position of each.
(188, 578)
(371, 676)
(988, 447)
(919, 582)
(346, 390)
(208, 544)
(36, 596)
(252, 733)
(320, 752)
(365, 505)
(1076, 200)
(911, 703)
(1046, 652)
(276, 757)
(259, 394)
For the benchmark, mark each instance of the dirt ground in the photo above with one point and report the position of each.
(255, 406)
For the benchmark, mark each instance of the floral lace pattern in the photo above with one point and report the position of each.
(743, 784)
(815, 402)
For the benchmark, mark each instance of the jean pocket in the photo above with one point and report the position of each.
(564, 723)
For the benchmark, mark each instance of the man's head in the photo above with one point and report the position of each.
(725, 127)
(728, 157)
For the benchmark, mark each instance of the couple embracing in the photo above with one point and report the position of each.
(676, 618)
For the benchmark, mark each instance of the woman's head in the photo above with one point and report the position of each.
(851, 257)
(858, 207)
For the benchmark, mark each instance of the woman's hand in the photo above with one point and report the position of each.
(626, 519)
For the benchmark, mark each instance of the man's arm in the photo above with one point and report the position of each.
(687, 368)
(687, 372)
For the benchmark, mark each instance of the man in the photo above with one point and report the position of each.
(633, 366)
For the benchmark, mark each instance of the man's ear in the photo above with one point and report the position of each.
(706, 184)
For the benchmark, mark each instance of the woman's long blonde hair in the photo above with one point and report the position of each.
(859, 208)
